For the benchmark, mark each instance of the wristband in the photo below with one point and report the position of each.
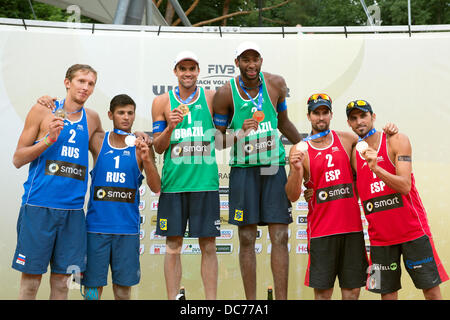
(220, 119)
(50, 140)
(159, 126)
(46, 141)
(281, 106)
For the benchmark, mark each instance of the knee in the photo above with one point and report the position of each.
(173, 245)
(247, 237)
(121, 292)
(59, 282)
(30, 284)
(207, 245)
(432, 293)
(279, 237)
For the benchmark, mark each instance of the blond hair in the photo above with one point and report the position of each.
(70, 73)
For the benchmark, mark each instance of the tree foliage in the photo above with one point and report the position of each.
(245, 13)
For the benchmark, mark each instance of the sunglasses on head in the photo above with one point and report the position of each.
(357, 102)
(320, 96)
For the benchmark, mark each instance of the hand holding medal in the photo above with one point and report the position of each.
(184, 109)
(130, 139)
(258, 115)
(302, 146)
(184, 103)
(362, 145)
(60, 113)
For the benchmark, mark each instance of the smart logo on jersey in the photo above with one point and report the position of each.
(191, 148)
(340, 191)
(163, 224)
(114, 194)
(65, 169)
(390, 201)
(239, 215)
(259, 145)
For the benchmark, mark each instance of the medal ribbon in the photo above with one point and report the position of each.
(122, 133)
(189, 99)
(260, 94)
(371, 132)
(317, 135)
(60, 105)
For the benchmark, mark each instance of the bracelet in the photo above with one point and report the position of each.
(52, 141)
(46, 142)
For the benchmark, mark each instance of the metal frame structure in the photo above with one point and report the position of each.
(220, 31)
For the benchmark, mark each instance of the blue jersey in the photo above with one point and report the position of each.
(114, 194)
(58, 177)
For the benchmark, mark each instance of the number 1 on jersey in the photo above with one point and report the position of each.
(117, 159)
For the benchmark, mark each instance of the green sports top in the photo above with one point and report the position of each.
(260, 147)
(190, 161)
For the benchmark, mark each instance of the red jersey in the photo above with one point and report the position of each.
(334, 208)
(393, 218)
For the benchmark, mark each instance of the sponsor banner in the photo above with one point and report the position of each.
(157, 249)
(301, 206)
(154, 205)
(224, 248)
(302, 248)
(154, 236)
(301, 219)
(301, 234)
(226, 234)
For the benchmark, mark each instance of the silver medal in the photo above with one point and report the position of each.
(361, 146)
(130, 140)
(302, 146)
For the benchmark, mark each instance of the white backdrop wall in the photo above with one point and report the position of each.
(406, 79)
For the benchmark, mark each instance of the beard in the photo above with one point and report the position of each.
(321, 127)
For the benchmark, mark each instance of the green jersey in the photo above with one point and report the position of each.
(190, 161)
(260, 147)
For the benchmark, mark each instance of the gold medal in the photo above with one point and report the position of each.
(61, 113)
(184, 109)
(258, 116)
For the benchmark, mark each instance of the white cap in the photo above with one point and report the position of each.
(244, 46)
(185, 55)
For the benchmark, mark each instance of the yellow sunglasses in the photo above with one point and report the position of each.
(321, 96)
(357, 102)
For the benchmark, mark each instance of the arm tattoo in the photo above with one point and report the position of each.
(404, 158)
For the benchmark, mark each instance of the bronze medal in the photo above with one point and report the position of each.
(258, 116)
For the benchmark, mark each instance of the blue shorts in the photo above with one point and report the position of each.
(54, 236)
(258, 198)
(119, 251)
(200, 209)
